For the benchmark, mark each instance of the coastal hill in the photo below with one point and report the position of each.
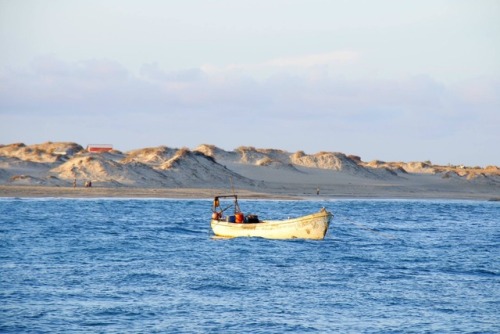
(265, 170)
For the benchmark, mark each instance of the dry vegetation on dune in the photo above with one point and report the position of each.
(207, 166)
(43, 153)
(447, 171)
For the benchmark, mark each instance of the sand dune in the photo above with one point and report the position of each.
(152, 156)
(101, 169)
(271, 171)
(195, 169)
(48, 152)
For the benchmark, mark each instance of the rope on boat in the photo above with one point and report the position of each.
(385, 235)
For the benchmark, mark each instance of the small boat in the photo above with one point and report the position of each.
(312, 226)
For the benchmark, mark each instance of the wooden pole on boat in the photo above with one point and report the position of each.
(236, 205)
(232, 185)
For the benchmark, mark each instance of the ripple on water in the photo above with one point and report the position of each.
(152, 266)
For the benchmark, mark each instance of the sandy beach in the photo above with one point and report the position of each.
(187, 193)
(98, 192)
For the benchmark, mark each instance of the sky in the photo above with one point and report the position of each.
(392, 80)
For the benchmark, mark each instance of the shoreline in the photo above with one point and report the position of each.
(7, 191)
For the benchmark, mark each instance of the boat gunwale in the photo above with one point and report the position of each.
(306, 218)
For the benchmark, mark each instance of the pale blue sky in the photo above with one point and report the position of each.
(388, 80)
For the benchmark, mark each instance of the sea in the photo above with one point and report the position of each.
(154, 266)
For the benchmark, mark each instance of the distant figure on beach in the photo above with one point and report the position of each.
(74, 183)
(88, 184)
(317, 191)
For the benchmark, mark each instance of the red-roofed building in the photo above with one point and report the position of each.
(98, 148)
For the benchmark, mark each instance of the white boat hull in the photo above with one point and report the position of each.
(312, 226)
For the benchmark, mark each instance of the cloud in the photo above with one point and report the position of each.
(295, 64)
(483, 92)
(330, 58)
(51, 84)
(407, 109)
(153, 72)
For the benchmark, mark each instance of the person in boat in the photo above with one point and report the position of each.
(238, 217)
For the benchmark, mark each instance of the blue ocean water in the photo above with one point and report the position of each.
(151, 265)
